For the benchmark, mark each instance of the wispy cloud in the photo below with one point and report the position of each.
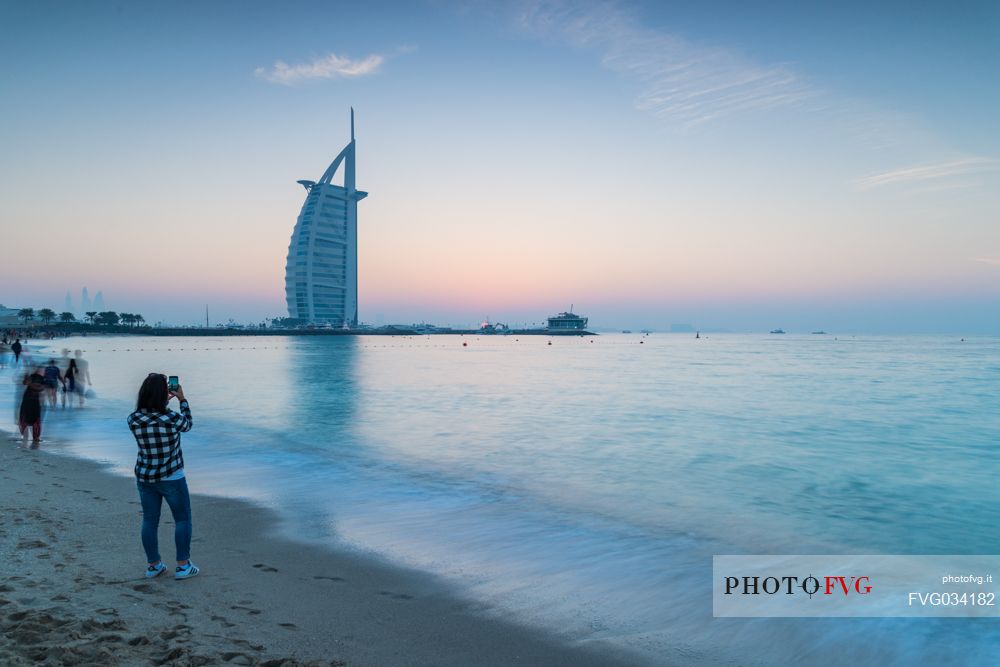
(331, 66)
(689, 84)
(993, 261)
(927, 172)
(680, 82)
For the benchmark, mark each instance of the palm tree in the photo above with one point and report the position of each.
(91, 314)
(127, 318)
(139, 319)
(108, 317)
(67, 317)
(46, 315)
(26, 314)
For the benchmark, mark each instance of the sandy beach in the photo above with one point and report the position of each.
(72, 590)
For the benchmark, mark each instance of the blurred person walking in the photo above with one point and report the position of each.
(72, 386)
(82, 375)
(30, 413)
(159, 471)
(64, 361)
(53, 378)
(16, 349)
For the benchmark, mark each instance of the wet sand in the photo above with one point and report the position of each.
(72, 590)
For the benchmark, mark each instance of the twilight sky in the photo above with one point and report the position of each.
(732, 165)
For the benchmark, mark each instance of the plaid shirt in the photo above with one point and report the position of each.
(158, 435)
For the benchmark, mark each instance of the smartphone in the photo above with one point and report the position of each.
(172, 383)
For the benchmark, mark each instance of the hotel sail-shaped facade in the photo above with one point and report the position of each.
(321, 273)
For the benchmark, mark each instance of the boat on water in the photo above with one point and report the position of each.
(777, 331)
(626, 331)
(568, 322)
(563, 324)
(818, 333)
(490, 328)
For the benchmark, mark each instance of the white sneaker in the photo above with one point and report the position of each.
(155, 570)
(186, 571)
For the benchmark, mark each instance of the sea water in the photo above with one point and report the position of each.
(584, 485)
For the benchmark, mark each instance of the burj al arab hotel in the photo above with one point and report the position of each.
(321, 273)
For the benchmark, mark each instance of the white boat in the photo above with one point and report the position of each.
(567, 322)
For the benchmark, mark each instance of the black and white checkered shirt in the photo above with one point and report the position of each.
(158, 435)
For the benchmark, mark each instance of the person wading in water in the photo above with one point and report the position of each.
(30, 413)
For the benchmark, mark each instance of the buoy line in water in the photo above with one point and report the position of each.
(276, 347)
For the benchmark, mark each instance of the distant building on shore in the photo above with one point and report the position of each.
(321, 272)
(8, 317)
(568, 321)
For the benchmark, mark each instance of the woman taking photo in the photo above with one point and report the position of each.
(159, 471)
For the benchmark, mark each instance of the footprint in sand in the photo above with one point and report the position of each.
(265, 568)
(396, 596)
(238, 658)
(170, 658)
(182, 631)
(31, 544)
(144, 588)
(248, 610)
(243, 642)
(177, 610)
(93, 625)
(222, 619)
(329, 578)
(290, 626)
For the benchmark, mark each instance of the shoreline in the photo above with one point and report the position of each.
(86, 332)
(70, 530)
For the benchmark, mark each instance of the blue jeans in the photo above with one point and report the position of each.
(176, 494)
